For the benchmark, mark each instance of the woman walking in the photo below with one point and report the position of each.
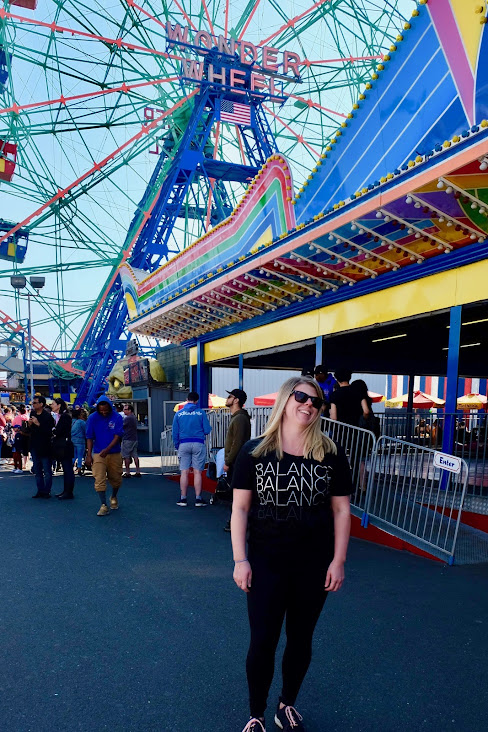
(78, 438)
(63, 447)
(291, 490)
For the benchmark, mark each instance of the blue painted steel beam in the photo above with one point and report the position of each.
(241, 371)
(202, 375)
(452, 378)
(319, 342)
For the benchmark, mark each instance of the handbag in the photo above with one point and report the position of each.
(212, 470)
(61, 448)
(223, 488)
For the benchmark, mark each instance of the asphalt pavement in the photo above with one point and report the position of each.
(132, 623)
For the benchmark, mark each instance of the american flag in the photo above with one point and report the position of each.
(237, 114)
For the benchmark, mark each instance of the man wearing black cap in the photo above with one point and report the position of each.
(238, 433)
(239, 430)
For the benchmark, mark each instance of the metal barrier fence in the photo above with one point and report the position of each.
(470, 439)
(397, 485)
(359, 445)
(219, 421)
(411, 496)
(169, 458)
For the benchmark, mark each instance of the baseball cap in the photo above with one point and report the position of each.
(238, 394)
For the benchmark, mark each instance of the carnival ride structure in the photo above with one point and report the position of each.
(105, 88)
(400, 186)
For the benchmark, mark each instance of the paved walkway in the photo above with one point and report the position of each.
(131, 623)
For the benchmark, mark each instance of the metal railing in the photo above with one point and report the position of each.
(411, 497)
(219, 421)
(397, 486)
(169, 458)
(470, 439)
(358, 445)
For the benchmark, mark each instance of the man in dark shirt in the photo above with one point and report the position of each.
(239, 432)
(40, 428)
(129, 440)
(345, 403)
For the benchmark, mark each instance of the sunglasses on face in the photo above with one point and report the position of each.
(302, 398)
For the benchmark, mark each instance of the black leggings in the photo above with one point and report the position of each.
(282, 588)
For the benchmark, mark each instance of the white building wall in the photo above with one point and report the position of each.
(256, 381)
(266, 381)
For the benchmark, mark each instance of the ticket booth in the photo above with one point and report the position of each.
(149, 398)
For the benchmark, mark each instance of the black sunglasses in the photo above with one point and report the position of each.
(301, 397)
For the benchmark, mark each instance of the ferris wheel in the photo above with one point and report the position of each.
(92, 99)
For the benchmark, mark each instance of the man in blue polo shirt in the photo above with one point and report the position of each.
(104, 431)
(190, 427)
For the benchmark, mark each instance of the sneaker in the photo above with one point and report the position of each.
(289, 719)
(17, 471)
(254, 725)
(127, 475)
(114, 504)
(104, 510)
(138, 475)
(200, 501)
(182, 502)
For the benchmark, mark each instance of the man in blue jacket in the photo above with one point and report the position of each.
(104, 431)
(190, 427)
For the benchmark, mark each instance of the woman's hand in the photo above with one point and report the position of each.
(243, 575)
(335, 576)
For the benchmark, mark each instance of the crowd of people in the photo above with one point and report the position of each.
(60, 437)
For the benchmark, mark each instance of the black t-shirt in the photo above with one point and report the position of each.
(291, 507)
(348, 404)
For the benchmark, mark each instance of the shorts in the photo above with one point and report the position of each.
(192, 454)
(129, 448)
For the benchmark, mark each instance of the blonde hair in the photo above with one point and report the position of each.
(316, 444)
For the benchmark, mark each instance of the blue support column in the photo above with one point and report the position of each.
(318, 350)
(202, 375)
(241, 371)
(452, 378)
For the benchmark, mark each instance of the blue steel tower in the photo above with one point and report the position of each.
(187, 162)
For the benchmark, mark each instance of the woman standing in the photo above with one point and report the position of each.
(78, 438)
(63, 447)
(22, 419)
(291, 490)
